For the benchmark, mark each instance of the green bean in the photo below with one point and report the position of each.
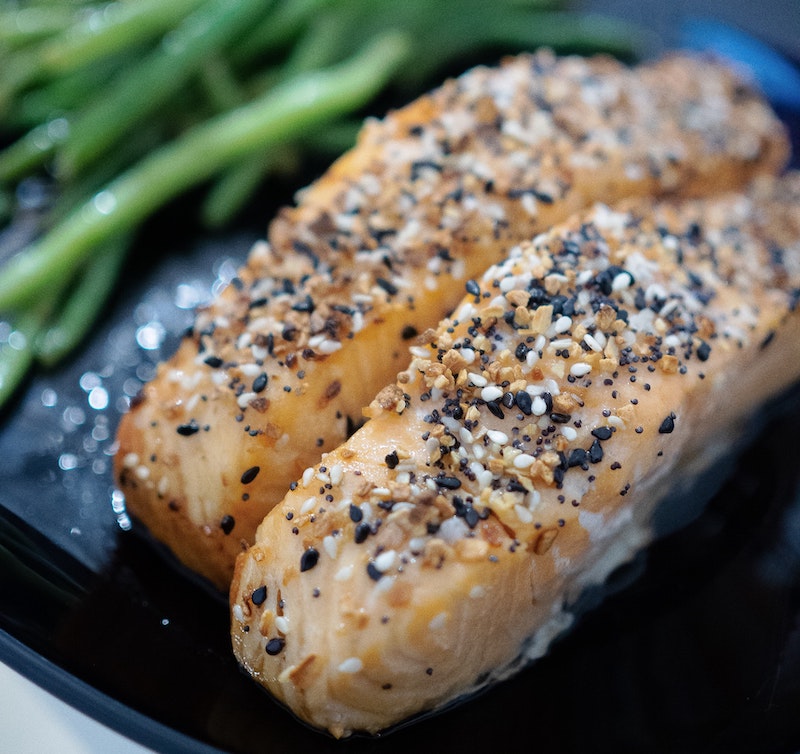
(232, 190)
(32, 150)
(55, 97)
(281, 27)
(111, 28)
(84, 302)
(16, 354)
(21, 26)
(220, 85)
(146, 86)
(6, 203)
(295, 105)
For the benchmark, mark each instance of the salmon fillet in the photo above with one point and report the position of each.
(277, 369)
(520, 457)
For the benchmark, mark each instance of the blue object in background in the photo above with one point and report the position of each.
(777, 77)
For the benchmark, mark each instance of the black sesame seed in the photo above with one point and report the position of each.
(703, 351)
(226, 524)
(408, 332)
(471, 516)
(260, 382)
(448, 482)
(306, 305)
(362, 532)
(356, 514)
(308, 559)
(213, 361)
(259, 596)
(596, 452)
(188, 429)
(390, 288)
(494, 407)
(577, 457)
(373, 572)
(275, 646)
(473, 288)
(524, 402)
(392, 460)
(667, 425)
(559, 418)
(602, 433)
(250, 474)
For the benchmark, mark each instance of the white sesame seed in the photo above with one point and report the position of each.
(416, 545)
(468, 354)
(591, 341)
(523, 461)
(308, 476)
(330, 545)
(621, 281)
(581, 369)
(351, 665)
(329, 346)
(523, 514)
(491, 393)
(337, 472)
(561, 343)
(130, 460)
(244, 399)
(385, 560)
(478, 380)
(477, 592)
(142, 472)
(437, 621)
(465, 436)
(495, 435)
(344, 573)
(238, 613)
(282, 624)
(569, 433)
(538, 406)
(431, 445)
(562, 324)
(308, 505)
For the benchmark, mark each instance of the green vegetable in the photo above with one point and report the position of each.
(124, 105)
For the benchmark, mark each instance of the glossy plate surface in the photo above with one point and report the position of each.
(701, 651)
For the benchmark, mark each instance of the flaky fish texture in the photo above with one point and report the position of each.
(521, 455)
(278, 368)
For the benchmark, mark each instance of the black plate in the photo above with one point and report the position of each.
(700, 653)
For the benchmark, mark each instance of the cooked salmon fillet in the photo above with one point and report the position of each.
(521, 455)
(277, 369)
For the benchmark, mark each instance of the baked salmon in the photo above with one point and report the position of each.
(277, 369)
(521, 455)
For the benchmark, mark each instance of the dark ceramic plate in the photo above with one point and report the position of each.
(701, 652)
